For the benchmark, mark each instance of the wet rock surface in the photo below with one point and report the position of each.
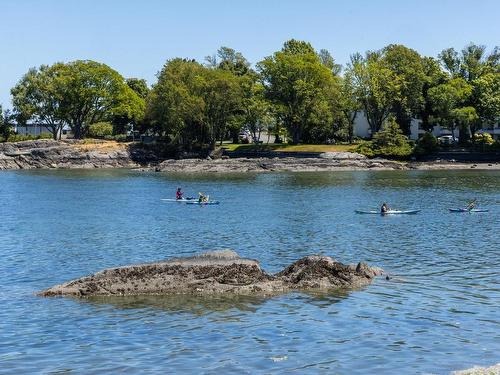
(216, 273)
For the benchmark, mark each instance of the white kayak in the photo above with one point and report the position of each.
(467, 210)
(183, 200)
(390, 212)
(195, 201)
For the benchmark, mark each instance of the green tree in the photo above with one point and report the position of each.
(296, 82)
(433, 76)
(39, 96)
(78, 93)
(349, 103)
(377, 87)
(228, 59)
(122, 122)
(139, 86)
(408, 69)
(465, 118)
(93, 92)
(175, 104)
(447, 101)
(471, 63)
(487, 94)
(5, 124)
(391, 141)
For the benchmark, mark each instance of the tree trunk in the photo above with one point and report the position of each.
(295, 134)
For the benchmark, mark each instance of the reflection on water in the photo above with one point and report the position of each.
(200, 305)
(197, 305)
(439, 312)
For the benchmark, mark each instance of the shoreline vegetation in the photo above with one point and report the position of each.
(297, 95)
(75, 154)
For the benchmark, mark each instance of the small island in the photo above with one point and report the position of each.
(217, 272)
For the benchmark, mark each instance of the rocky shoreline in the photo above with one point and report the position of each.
(69, 154)
(215, 273)
(74, 154)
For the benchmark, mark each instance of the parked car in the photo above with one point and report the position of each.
(446, 140)
(244, 137)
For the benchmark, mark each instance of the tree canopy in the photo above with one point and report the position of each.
(78, 94)
(297, 90)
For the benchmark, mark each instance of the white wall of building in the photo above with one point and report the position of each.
(362, 128)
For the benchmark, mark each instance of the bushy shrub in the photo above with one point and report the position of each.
(100, 129)
(390, 142)
(427, 144)
(483, 139)
(22, 137)
(365, 148)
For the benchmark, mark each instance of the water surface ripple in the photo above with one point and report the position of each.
(439, 312)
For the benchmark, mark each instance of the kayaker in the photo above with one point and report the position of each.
(384, 208)
(472, 205)
(179, 194)
(202, 198)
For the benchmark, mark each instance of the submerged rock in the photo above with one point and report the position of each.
(216, 272)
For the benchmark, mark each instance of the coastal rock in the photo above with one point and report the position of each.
(295, 164)
(493, 370)
(48, 153)
(343, 156)
(214, 273)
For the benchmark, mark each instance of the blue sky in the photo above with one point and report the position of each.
(137, 37)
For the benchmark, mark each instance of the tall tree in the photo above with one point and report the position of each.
(433, 76)
(5, 124)
(228, 59)
(449, 100)
(472, 62)
(175, 104)
(408, 69)
(122, 122)
(93, 92)
(39, 96)
(296, 81)
(78, 93)
(487, 94)
(377, 87)
(349, 103)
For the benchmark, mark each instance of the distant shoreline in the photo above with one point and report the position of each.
(71, 154)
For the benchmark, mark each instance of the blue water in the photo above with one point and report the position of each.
(440, 311)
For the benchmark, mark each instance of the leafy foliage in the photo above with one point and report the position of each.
(483, 139)
(100, 129)
(390, 142)
(299, 85)
(78, 93)
(427, 144)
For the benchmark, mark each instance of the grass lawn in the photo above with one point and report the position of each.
(288, 148)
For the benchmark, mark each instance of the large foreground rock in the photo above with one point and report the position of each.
(217, 272)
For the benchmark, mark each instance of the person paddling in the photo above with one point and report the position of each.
(472, 205)
(384, 208)
(202, 198)
(179, 194)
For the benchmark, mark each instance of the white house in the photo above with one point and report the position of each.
(36, 129)
(362, 129)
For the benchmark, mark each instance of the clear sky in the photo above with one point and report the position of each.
(137, 37)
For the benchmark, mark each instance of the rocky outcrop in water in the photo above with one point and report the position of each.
(215, 273)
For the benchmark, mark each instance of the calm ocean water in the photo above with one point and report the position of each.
(440, 312)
